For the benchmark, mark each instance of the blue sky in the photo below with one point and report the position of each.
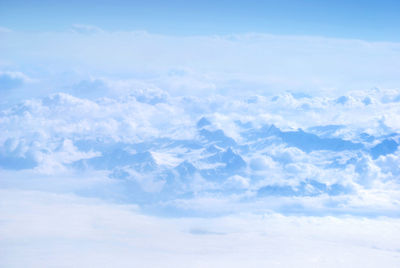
(369, 20)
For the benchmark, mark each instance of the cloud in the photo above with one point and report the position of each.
(86, 29)
(12, 80)
(227, 136)
(151, 143)
(201, 65)
(89, 88)
(237, 181)
(46, 229)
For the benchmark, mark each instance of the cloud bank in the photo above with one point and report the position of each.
(289, 153)
(202, 64)
(66, 230)
(250, 149)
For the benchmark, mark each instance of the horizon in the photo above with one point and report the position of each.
(199, 134)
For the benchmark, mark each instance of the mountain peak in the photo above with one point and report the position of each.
(203, 122)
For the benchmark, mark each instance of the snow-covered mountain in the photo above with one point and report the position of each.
(168, 152)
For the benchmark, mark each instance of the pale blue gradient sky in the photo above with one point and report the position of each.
(368, 20)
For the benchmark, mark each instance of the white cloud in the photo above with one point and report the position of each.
(204, 64)
(12, 80)
(43, 229)
(44, 134)
(66, 153)
(288, 133)
(237, 181)
(86, 29)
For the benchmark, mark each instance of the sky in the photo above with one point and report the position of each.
(199, 134)
(367, 20)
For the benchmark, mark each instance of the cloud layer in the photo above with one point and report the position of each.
(250, 149)
(290, 153)
(66, 230)
(190, 64)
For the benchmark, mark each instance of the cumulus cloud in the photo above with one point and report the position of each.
(162, 147)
